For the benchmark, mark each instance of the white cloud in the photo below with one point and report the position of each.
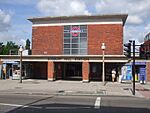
(147, 28)
(4, 37)
(4, 21)
(132, 33)
(62, 7)
(137, 9)
(134, 20)
(6, 33)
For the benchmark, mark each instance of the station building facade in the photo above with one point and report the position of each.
(75, 44)
(69, 48)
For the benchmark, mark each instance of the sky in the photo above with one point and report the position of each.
(15, 27)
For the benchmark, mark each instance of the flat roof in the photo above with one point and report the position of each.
(123, 17)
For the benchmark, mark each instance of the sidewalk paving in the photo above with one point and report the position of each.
(144, 89)
(61, 87)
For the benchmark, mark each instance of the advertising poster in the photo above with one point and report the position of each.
(127, 72)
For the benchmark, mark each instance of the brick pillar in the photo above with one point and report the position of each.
(50, 69)
(148, 71)
(1, 62)
(85, 71)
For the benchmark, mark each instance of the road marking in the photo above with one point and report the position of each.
(97, 103)
(13, 105)
(39, 107)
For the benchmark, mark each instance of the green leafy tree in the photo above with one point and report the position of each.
(9, 46)
(1, 47)
(27, 44)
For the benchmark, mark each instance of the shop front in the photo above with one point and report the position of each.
(82, 67)
(11, 70)
(140, 72)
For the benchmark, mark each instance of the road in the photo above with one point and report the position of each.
(23, 103)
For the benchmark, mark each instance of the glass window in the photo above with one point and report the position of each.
(66, 34)
(66, 45)
(66, 40)
(75, 46)
(82, 40)
(84, 31)
(67, 27)
(66, 31)
(83, 51)
(83, 45)
(83, 27)
(74, 51)
(74, 40)
(83, 34)
(66, 51)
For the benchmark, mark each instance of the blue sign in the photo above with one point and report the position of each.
(137, 63)
(142, 72)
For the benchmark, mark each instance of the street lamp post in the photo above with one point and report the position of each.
(103, 47)
(20, 50)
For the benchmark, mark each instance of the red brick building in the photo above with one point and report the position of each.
(73, 45)
(147, 49)
(69, 48)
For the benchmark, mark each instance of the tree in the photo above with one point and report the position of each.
(9, 46)
(1, 47)
(27, 44)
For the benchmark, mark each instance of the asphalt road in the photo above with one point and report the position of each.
(72, 104)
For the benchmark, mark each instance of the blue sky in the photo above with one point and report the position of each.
(14, 13)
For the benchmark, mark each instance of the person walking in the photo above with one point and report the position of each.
(113, 73)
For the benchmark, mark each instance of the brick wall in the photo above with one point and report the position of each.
(110, 34)
(47, 40)
(148, 71)
(85, 71)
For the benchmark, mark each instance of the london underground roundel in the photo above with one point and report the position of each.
(75, 31)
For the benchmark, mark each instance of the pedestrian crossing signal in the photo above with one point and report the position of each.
(127, 50)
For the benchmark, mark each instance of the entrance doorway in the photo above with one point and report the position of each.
(73, 71)
(68, 71)
(95, 71)
(108, 71)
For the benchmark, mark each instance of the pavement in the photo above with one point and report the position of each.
(62, 87)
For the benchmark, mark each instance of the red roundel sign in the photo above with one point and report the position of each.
(75, 31)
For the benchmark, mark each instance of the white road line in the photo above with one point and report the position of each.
(97, 103)
(13, 105)
(18, 105)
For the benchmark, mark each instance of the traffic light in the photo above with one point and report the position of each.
(127, 50)
(142, 51)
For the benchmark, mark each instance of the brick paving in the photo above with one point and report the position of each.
(144, 90)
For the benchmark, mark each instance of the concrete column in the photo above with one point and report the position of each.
(50, 70)
(148, 71)
(85, 71)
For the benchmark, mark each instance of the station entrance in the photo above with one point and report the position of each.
(73, 71)
(68, 71)
(96, 71)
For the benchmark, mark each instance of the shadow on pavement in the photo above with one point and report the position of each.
(72, 108)
(142, 89)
